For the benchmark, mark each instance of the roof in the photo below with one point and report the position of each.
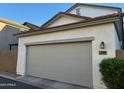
(61, 14)
(14, 24)
(75, 5)
(84, 23)
(31, 26)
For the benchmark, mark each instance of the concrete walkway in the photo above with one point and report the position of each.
(48, 84)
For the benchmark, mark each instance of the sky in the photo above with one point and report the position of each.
(38, 13)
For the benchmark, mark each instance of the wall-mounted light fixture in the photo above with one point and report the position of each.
(102, 45)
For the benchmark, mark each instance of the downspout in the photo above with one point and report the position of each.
(122, 46)
(122, 34)
(122, 30)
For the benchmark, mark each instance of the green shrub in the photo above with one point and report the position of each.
(112, 70)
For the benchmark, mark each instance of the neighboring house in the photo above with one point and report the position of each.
(7, 29)
(31, 26)
(70, 46)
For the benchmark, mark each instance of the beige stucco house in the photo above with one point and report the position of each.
(70, 46)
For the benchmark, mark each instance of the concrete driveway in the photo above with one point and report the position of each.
(47, 83)
(10, 81)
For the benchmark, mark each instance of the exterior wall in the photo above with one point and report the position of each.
(6, 37)
(100, 32)
(93, 11)
(64, 20)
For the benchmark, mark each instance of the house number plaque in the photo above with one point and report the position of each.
(102, 52)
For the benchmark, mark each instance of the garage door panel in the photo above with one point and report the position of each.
(69, 62)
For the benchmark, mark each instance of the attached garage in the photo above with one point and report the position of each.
(69, 53)
(69, 62)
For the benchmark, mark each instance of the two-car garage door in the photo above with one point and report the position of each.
(67, 62)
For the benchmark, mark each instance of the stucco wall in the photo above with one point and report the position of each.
(104, 32)
(65, 20)
(93, 11)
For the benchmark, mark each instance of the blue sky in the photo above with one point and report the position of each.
(37, 13)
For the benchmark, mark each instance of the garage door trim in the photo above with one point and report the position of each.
(81, 39)
(86, 39)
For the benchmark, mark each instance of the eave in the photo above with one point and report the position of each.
(96, 21)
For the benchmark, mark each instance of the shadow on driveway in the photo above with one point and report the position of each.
(6, 83)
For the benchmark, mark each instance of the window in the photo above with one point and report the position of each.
(78, 11)
(21, 30)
